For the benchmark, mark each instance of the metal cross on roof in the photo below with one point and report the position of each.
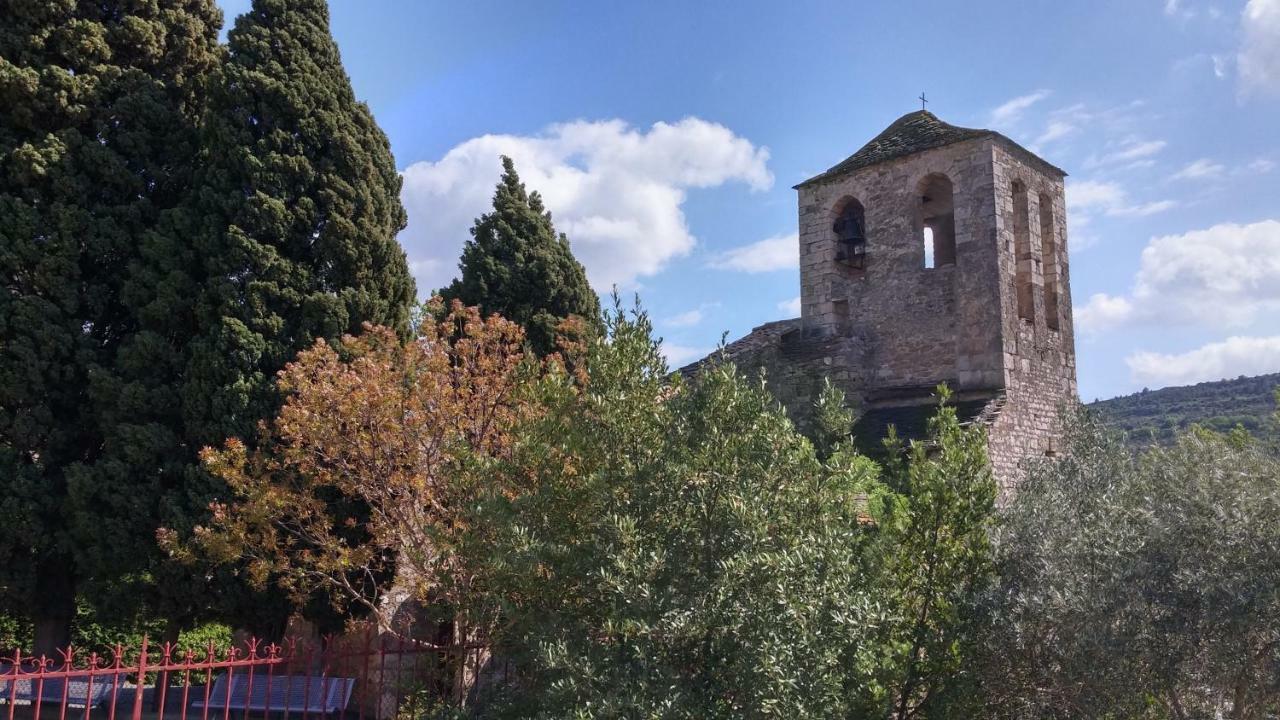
(923, 100)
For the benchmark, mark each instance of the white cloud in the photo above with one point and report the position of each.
(1224, 276)
(1102, 312)
(780, 252)
(1133, 153)
(1220, 66)
(1142, 209)
(1261, 166)
(1201, 169)
(1258, 62)
(616, 191)
(1181, 10)
(1089, 197)
(680, 355)
(1057, 129)
(1089, 194)
(688, 318)
(1012, 110)
(791, 307)
(1232, 357)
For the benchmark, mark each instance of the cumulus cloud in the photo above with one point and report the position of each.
(1102, 312)
(680, 355)
(1011, 111)
(780, 252)
(1224, 276)
(1091, 197)
(617, 191)
(1201, 169)
(1258, 62)
(1232, 357)
(791, 307)
(689, 318)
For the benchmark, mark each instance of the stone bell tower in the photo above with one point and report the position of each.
(934, 254)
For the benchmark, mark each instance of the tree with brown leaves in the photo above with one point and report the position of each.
(359, 488)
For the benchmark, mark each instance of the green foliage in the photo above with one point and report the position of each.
(309, 250)
(1140, 585)
(685, 553)
(935, 547)
(1157, 416)
(516, 265)
(832, 420)
(176, 221)
(97, 146)
(96, 633)
(295, 214)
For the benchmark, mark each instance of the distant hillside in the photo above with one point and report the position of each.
(1158, 414)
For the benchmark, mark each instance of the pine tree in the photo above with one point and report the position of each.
(517, 266)
(301, 206)
(97, 142)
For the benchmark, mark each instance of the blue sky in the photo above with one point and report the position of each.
(666, 136)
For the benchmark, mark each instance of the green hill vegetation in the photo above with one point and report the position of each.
(1155, 416)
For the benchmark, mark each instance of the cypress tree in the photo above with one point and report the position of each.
(97, 143)
(300, 200)
(516, 265)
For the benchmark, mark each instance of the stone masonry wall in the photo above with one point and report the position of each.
(895, 329)
(1039, 362)
(918, 326)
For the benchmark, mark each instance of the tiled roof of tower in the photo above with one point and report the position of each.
(912, 133)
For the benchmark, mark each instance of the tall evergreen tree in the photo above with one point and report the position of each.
(301, 204)
(297, 208)
(97, 143)
(516, 265)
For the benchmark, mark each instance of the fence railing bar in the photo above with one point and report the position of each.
(88, 689)
(266, 706)
(162, 681)
(186, 687)
(39, 687)
(248, 692)
(231, 671)
(208, 682)
(142, 681)
(69, 662)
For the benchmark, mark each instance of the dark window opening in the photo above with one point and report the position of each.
(1049, 254)
(851, 235)
(1023, 284)
(937, 221)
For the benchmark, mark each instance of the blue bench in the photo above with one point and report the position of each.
(285, 693)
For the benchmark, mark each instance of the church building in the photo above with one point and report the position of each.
(934, 254)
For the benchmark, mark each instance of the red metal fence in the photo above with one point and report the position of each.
(366, 676)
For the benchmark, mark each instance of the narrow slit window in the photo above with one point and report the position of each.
(928, 247)
(1023, 260)
(1049, 256)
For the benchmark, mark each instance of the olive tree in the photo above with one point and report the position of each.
(1141, 585)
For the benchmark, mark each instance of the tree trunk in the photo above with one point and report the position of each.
(54, 606)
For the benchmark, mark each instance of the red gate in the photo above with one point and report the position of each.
(359, 677)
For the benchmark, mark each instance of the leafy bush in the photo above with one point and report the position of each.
(1140, 585)
(685, 553)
